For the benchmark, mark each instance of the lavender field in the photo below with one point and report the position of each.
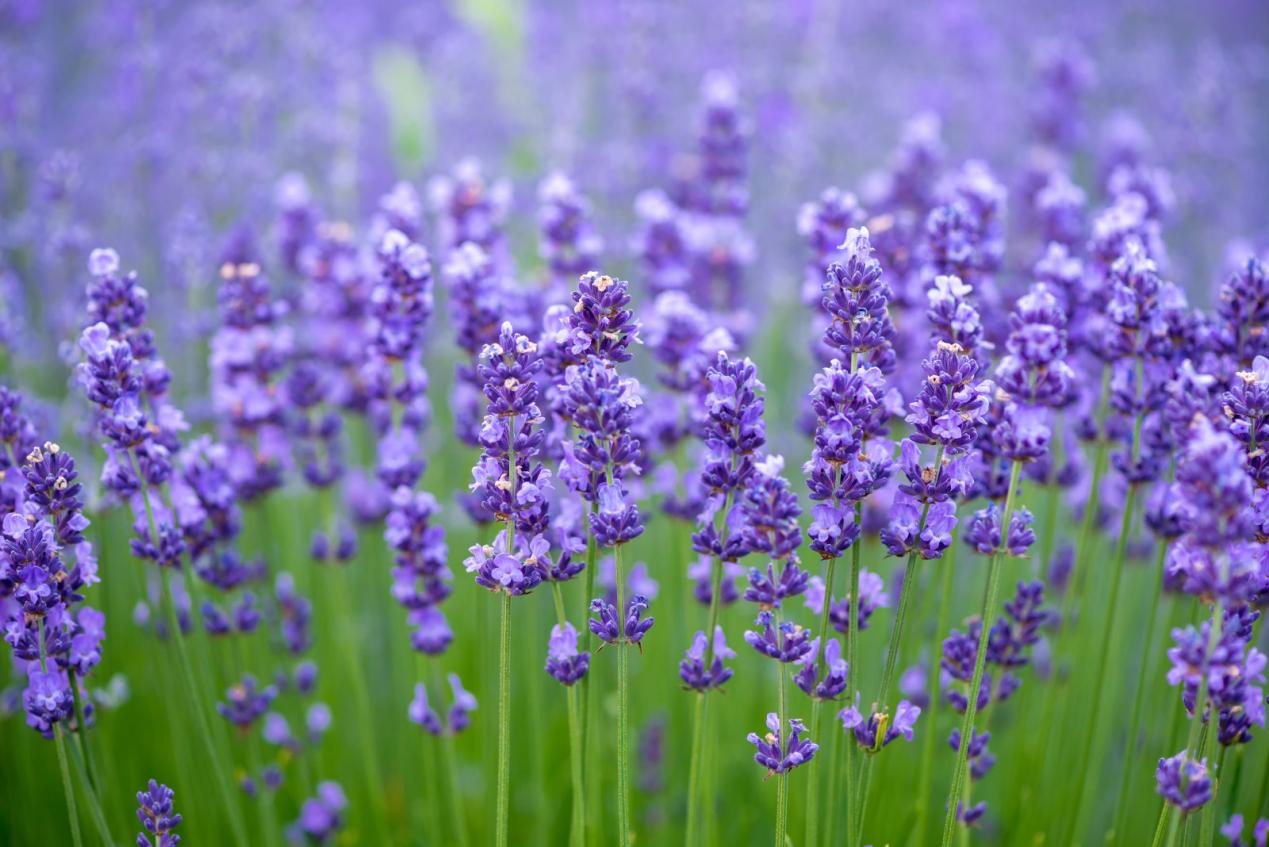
(470, 422)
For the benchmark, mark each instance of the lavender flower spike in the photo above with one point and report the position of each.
(154, 810)
(778, 755)
(563, 660)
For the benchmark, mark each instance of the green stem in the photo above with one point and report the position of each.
(1138, 699)
(782, 785)
(578, 825)
(1107, 641)
(202, 726)
(694, 768)
(456, 804)
(865, 783)
(504, 721)
(1207, 830)
(623, 709)
(812, 778)
(94, 804)
(1161, 826)
(71, 810)
(936, 701)
(986, 620)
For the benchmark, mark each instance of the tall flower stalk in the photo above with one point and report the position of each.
(140, 428)
(851, 457)
(733, 432)
(512, 486)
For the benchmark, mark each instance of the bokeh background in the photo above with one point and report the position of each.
(159, 127)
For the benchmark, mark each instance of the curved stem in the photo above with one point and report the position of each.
(936, 701)
(986, 620)
(1138, 699)
(1103, 655)
(71, 809)
(504, 721)
(202, 725)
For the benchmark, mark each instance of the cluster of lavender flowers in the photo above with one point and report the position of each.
(1009, 644)
(45, 565)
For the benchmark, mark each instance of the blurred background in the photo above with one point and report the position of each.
(159, 128)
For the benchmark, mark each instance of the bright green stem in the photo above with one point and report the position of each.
(504, 721)
(812, 778)
(782, 786)
(361, 696)
(694, 768)
(936, 701)
(1138, 699)
(1174, 822)
(202, 727)
(623, 711)
(865, 783)
(1161, 826)
(94, 803)
(1207, 830)
(456, 804)
(1103, 655)
(896, 629)
(987, 618)
(81, 735)
(71, 810)
(584, 693)
(578, 826)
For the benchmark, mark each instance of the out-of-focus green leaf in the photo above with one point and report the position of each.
(405, 88)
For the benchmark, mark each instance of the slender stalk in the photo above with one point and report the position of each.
(1138, 699)
(94, 804)
(578, 821)
(585, 693)
(694, 768)
(71, 810)
(1103, 655)
(852, 673)
(80, 736)
(936, 701)
(1207, 830)
(504, 721)
(986, 621)
(1161, 826)
(782, 780)
(623, 709)
(865, 783)
(202, 725)
(456, 804)
(812, 778)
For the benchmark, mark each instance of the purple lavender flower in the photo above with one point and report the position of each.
(879, 729)
(872, 596)
(154, 810)
(693, 670)
(605, 625)
(779, 755)
(322, 815)
(845, 466)
(1034, 370)
(983, 532)
(832, 682)
(1233, 830)
(246, 702)
(563, 660)
(569, 242)
(1183, 782)
(785, 641)
(855, 298)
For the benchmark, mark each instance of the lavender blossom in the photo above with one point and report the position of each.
(154, 810)
(563, 661)
(693, 671)
(781, 755)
